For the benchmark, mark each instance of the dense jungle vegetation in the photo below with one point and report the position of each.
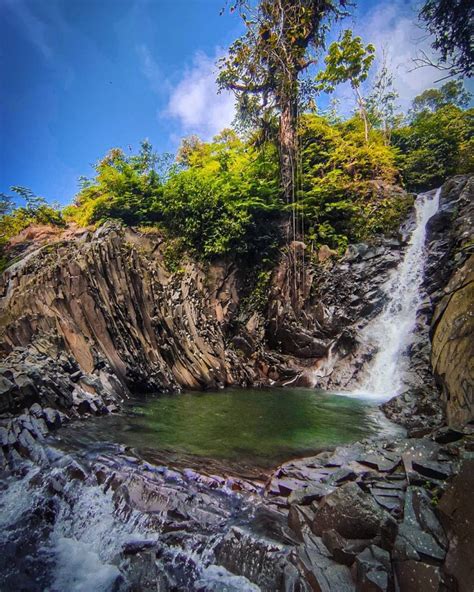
(286, 169)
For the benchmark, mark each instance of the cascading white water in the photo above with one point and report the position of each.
(391, 332)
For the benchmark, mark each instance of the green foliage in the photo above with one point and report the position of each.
(432, 99)
(264, 66)
(281, 40)
(345, 189)
(348, 61)
(15, 219)
(450, 23)
(258, 286)
(435, 146)
(126, 188)
(226, 202)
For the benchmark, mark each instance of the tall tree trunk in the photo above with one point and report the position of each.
(363, 113)
(288, 149)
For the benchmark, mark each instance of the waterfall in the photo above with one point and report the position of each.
(391, 332)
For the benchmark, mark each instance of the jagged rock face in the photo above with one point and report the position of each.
(103, 304)
(108, 298)
(316, 318)
(106, 302)
(452, 323)
(453, 345)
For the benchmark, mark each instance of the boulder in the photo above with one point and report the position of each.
(373, 570)
(352, 513)
(416, 576)
(456, 510)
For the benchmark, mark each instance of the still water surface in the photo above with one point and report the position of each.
(255, 427)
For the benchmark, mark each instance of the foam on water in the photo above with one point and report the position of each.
(81, 550)
(392, 331)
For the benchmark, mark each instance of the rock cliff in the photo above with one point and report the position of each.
(452, 326)
(92, 314)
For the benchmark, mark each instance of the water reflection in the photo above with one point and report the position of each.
(256, 427)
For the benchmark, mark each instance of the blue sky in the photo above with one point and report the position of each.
(78, 77)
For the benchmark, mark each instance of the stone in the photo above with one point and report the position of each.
(26, 443)
(446, 435)
(373, 570)
(453, 345)
(432, 469)
(36, 410)
(420, 535)
(456, 510)
(311, 493)
(341, 475)
(300, 519)
(260, 560)
(137, 546)
(287, 486)
(342, 550)
(6, 386)
(416, 576)
(378, 462)
(52, 417)
(322, 573)
(351, 512)
(4, 440)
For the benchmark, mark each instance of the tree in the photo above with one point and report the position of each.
(432, 99)
(435, 146)
(348, 61)
(381, 103)
(125, 188)
(281, 41)
(6, 204)
(188, 146)
(450, 22)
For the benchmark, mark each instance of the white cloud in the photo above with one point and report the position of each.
(195, 102)
(34, 29)
(393, 28)
(150, 69)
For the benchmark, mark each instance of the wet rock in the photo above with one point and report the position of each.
(321, 572)
(373, 570)
(137, 546)
(3, 461)
(416, 576)
(420, 535)
(300, 520)
(274, 525)
(432, 469)
(350, 512)
(342, 550)
(313, 492)
(259, 560)
(26, 444)
(379, 462)
(388, 498)
(341, 476)
(456, 510)
(4, 440)
(52, 417)
(446, 435)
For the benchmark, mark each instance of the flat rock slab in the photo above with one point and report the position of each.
(373, 570)
(456, 509)
(416, 576)
(350, 512)
(309, 494)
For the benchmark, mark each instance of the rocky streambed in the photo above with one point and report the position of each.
(94, 316)
(373, 515)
